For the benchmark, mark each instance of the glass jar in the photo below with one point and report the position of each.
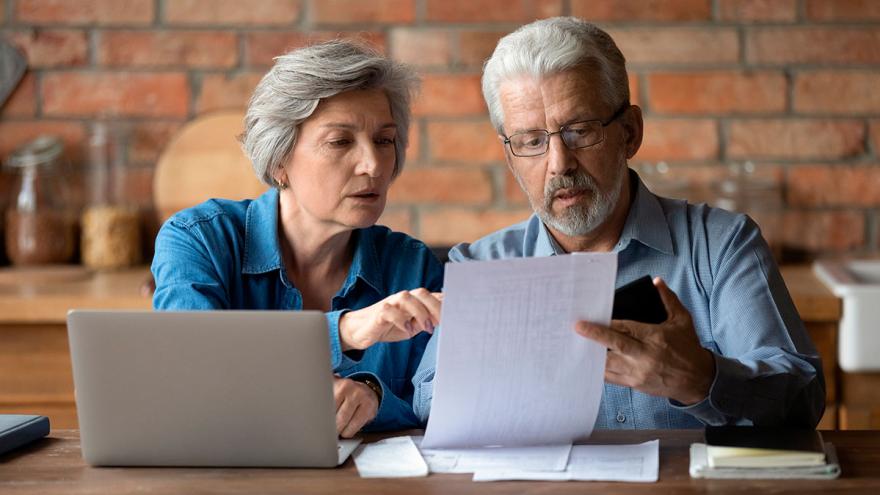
(662, 181)
(40, 228)
(111, 234)
(759, 196)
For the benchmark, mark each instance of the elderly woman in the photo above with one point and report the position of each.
(327, 128)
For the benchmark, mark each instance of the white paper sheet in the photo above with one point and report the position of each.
(639, 463)
(541, 458)
(396, 457)
(511, 370)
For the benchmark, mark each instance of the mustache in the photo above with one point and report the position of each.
(575, 180)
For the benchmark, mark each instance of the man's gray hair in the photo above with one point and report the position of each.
(290, 92)
(551, 46)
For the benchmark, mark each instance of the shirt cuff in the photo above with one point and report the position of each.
(339, 360)
(727, 395)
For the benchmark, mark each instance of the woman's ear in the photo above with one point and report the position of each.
(633, 127)
(280, 180)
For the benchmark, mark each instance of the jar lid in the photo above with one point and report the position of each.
(42, 150)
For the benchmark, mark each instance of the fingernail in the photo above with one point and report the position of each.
(430, 327)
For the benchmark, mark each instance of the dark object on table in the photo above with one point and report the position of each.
(18, 430)
(756, 437)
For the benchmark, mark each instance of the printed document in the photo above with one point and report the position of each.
(638, 463)
(511, 371)
(541, 458)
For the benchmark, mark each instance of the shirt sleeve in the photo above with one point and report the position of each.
(423, 377)
(185, 272)
(396, 411)
(423, 380)
(767, 371)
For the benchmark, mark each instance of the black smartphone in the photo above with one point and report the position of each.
(639, 301)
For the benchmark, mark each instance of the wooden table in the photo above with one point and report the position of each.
(35, 371)
(55, 466)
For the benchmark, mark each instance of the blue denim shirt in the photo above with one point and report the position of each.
(767, 369)
(225, 254)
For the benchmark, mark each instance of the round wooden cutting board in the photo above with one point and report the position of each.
(204, 161)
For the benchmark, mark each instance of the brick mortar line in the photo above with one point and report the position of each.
(195, 82)
(305, 22)
(415, 220)
(74, 119)
(722, 133)
(421, 11)
(93, 40)
(158, 12)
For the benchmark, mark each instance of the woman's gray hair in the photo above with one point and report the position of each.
(551, 46)
(290, 92)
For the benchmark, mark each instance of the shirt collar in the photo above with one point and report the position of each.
(645, 222)
(262, 252)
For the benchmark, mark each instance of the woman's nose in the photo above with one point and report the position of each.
(370, 162)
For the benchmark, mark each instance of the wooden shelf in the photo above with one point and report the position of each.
(45, 295)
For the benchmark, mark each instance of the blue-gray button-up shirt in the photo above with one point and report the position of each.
(766, 369)
(224, 254)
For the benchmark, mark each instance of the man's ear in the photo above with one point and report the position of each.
(633, 127)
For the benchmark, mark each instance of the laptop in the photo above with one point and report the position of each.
(206, 388)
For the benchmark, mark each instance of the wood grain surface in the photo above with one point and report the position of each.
(54, 466)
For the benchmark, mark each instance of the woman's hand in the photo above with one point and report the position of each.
(356, 405)
(397, 317)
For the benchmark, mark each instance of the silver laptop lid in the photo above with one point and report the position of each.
(208, 388)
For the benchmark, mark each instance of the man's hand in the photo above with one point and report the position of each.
(356, 405)
(397, 317)
(664, 360)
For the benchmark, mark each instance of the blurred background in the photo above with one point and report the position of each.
(770, 107)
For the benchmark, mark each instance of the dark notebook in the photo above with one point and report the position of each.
(17, 430)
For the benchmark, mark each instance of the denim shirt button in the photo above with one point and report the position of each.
(621, 418)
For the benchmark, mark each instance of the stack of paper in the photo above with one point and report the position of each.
(635, 463)
(397, 457)
(511, 370)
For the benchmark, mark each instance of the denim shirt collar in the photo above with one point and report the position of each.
(645, 222)
(261, 249)
(262, 252)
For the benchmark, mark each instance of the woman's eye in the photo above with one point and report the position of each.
(385, 141)
(339, 143)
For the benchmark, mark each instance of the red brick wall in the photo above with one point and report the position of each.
(790, 85)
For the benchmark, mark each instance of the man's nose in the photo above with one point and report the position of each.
(560, 159)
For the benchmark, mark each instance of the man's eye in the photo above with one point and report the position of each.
(532, 141)
(581, 130)
(385, 141)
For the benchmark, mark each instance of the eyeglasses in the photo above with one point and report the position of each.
(575, 136)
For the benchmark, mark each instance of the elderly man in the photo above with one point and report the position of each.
(733, 349)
